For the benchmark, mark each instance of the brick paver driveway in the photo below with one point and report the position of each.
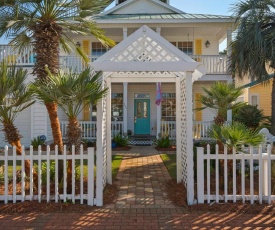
(141, 204)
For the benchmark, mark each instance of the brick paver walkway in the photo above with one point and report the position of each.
(141, 204)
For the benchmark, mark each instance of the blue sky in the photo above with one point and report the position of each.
(219, 7)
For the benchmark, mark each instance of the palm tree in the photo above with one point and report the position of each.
(220, 98)
(14, 98)
(46, 24)
(71, 91)
(253, 45)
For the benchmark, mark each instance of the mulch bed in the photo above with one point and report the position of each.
(178, 195)
(121, 148)
(172, 148)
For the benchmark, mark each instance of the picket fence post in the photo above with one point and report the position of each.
(6, 174)
(200, 174)
(90, 176)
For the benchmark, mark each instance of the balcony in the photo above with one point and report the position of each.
(215, 64)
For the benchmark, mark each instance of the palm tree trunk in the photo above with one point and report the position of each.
(74, 138)
(52, 109)
(13, 137)
(273, 108)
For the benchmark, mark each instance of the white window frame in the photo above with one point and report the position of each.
(258, 99)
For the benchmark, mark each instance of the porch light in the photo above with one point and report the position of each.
(207, 44)
(78, 44)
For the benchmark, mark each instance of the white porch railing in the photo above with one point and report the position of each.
(232, 185)
(215, 64)
(200, 130)
(88, 129)
(16, 186)
(168, 128)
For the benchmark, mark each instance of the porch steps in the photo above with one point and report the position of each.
(142, 140)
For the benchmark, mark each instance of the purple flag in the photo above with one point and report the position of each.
(159, 95)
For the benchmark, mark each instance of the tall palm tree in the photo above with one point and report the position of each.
(220, 98)
(253, 46)
(46, 24)
(15, 96)
(71, 91)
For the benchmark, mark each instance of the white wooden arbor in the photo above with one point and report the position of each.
(145, 56)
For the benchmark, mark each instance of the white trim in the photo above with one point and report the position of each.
(125, 32)
(158, 115)
(216, 77)
(108, 134)
(178, 131)
(126, 3)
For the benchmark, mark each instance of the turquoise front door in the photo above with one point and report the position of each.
(142, 116)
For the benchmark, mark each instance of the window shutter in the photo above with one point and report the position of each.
(86, 112)
(198, 48)
(198, 104)
(86, 46)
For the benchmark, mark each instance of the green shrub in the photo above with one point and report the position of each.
(120, 141)
(163, 142)
(36, 142)
(249, 115)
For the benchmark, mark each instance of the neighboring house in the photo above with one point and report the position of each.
(174, 36)
(259, 93)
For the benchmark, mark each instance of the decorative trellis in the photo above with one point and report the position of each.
(145, 49)
(183, 137)
(104, 141)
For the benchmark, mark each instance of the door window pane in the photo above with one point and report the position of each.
(145, 113)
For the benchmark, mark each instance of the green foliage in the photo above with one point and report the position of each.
(116, 161)
(36, 142)
(236, 135)
(120, 141)
(163, 142)
(220, 98)
(249, 115)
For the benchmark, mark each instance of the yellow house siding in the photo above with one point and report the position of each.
(86, 112)
(264, 92)
(198, 104)
(86, 46)
(198, 46)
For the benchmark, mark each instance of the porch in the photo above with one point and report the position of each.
(168, 128)
(215, 64)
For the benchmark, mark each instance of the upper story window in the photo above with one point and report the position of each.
(186, 47)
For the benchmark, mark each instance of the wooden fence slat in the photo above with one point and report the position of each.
(251, 175)
(200, 175)
(90, 176)
(48, 173)
(260, 175)
(39, 174)
(269, 172)
(31, 172)
(65, 174)
(6, 174)
(14, 173)
(56, 173)
(243, 176)
(225, 175)
(73, 174)
(23, 175)
(217, 173)
(208, 174)
(81, 174)
(234, 176)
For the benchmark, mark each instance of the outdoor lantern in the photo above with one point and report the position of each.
(78, 44)
(207, 44)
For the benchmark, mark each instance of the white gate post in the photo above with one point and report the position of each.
(99, 155)
(108, 134)
(189, 135)
(125, 107)
(200, 175)
(178, 131)
(158, 116)
(91, 166)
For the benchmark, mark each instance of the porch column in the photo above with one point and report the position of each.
(158, 116)
(108, 133)
(125, 32)
(158, 30)
(178, 131)
(125, 107)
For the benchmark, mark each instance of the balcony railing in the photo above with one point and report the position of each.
(168, 128)
(215, 64)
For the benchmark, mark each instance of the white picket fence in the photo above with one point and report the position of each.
(244, 163)
(11, 158)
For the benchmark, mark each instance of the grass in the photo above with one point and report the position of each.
(116, 161)
(170, 161)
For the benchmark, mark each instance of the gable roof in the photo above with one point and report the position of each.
(129, 2)
(145, 50)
